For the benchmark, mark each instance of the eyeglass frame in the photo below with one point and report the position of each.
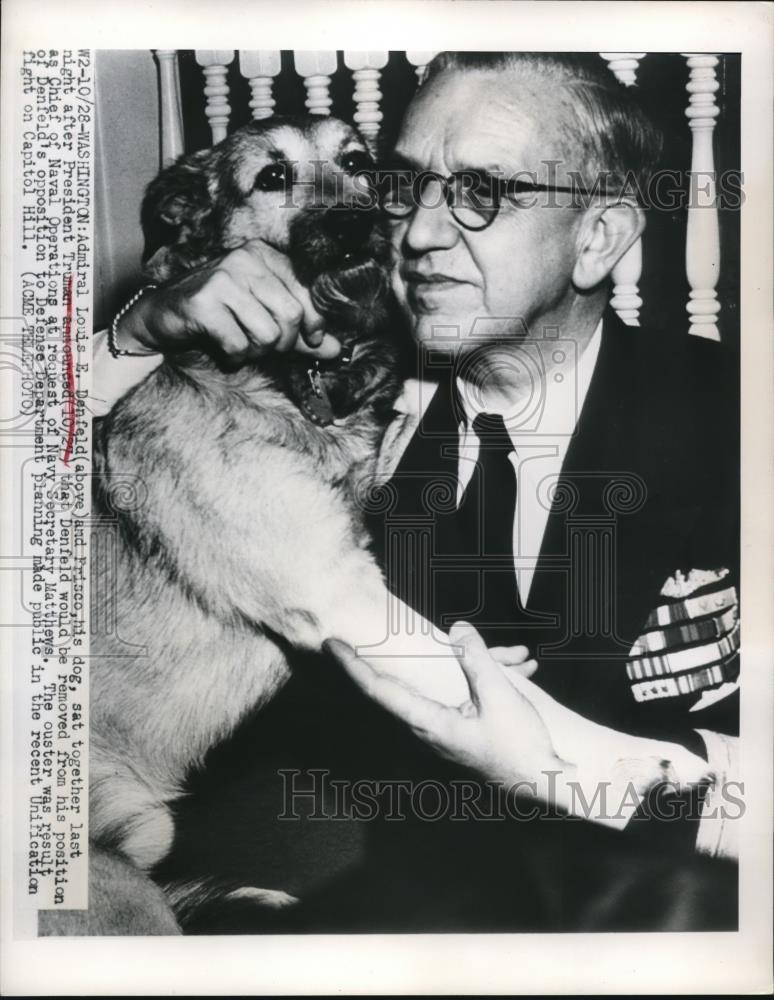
(504, 188)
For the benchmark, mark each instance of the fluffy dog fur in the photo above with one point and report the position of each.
(230, 523)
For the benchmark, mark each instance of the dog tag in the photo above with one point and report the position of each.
(317, 403)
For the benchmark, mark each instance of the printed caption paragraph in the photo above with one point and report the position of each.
(47, 454)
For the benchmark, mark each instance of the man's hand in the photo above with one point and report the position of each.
(497, 732)
(244, 305)
(513, 732)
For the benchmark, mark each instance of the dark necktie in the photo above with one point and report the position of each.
(434, 552)
(480, 535)
(489, 503)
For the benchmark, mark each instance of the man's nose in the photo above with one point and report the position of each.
(350, 228)
(431, 226)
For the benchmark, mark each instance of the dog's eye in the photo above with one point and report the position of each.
(274, 177)
(356, 160)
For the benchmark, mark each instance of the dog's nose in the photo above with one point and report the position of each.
(350, 228)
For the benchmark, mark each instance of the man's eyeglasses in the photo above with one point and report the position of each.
(473, 197)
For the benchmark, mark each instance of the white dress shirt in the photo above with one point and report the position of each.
(540, 428)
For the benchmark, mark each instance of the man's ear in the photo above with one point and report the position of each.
(605, 235)
(177, 205)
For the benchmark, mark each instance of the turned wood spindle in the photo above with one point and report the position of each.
(419, 61)
(702, 247)
(214, 63)
(171, 107)
(316, 69)
(259, 69)
(626, 274)
(366, 72)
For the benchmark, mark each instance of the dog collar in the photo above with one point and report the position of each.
(315, 402)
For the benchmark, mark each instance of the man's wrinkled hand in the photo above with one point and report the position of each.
(242, 306)
(497, 732)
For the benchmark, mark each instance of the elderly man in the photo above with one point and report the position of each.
(594, 466)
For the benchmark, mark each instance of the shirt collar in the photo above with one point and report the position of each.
(557, 400)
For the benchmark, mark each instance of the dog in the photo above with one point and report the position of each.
(229, 498)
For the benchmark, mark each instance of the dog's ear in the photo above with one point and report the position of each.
(176, 216)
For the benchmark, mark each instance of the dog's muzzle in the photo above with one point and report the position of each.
(335, 239)
(342, 255)
(349, 229)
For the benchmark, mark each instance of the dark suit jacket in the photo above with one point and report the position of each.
(656, 456)
(649, 487)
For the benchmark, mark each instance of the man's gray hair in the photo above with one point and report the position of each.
(614, 136)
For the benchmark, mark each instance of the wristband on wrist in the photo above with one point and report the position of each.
(113, 347)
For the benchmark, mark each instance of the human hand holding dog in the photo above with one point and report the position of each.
(245, 304)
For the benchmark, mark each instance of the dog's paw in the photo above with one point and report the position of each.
(273, 899)
(245, 910)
